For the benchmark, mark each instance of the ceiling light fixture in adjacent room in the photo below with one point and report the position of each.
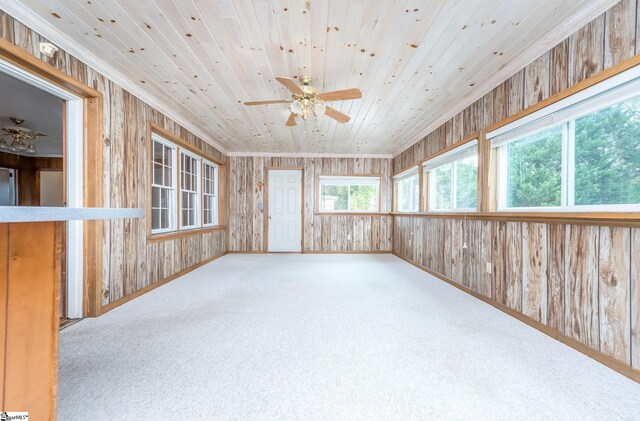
(18, 138)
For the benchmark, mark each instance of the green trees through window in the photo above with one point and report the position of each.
(455, 185)
(338, 194)
(534, 173)
(601, 166)
(608, 155)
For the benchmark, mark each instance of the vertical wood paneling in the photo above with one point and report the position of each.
(500, 101)
(581, 310)
(472, 118)
(615, 286)
(536, 81)
(129, 261)
(635, 298)
(586, 51)
(321, 233)
(498, 258)
(473, 269)
(559, 68)
(457, 252)
(556, 276)
(486, 287)
(6, 27)
(534, 280)
(620, 33)
(516, 93)
(513, 260)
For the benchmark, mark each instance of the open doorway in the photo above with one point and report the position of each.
(40, 133)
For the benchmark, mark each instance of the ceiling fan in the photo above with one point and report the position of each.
(306, 101)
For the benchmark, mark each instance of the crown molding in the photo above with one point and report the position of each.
(306, 155)
(21, 12)
(587, 13)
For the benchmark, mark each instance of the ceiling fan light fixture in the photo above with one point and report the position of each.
(296, 107)
(319, 108)
(19, 139)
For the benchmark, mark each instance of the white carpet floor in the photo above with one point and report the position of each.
(306, 337)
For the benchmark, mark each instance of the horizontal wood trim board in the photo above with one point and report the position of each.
(631, 220)
(246, 252)
(108, 307)
(580, 86)
(602, 358)
(186, 233)
(352, 213)
(32, 64)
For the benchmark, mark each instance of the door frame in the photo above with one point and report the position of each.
(84, 105)
(265, 223)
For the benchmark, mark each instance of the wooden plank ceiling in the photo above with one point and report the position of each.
(415, 61)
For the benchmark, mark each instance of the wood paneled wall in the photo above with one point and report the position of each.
(576, 279)
(130, 262)
(322, 232)
(582, 281)
(27, 166)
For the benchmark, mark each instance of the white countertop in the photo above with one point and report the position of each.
(36, 214)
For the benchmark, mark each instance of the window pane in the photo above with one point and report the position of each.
(157, 152)
(165, 198)
(165, 215)
(408, 194)
(534, 170)
(467, 183)
(155, 219)
(334, 197)
(441, 196)
(158, 170)
(168, 156)
(155, 197)
(608, 155)
(363, 198)
(168, 179)
(185, 217)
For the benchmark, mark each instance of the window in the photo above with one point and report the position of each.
(184, 188)
(581, 153)
(349, 194)
(453, 179)
(163, 191)
(189, 190)
(407, 190)
(209, 194)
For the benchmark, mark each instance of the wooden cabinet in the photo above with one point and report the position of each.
(29, 319)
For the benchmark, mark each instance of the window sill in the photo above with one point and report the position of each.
(626, 219)
(185, 233)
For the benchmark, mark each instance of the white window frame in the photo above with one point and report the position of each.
(174, 170)
(197, 192)
(214, 195)
(602, 95)
(349, 180)
(451, 158)
(404, 176)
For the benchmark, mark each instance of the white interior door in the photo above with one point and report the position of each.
(285, 210)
